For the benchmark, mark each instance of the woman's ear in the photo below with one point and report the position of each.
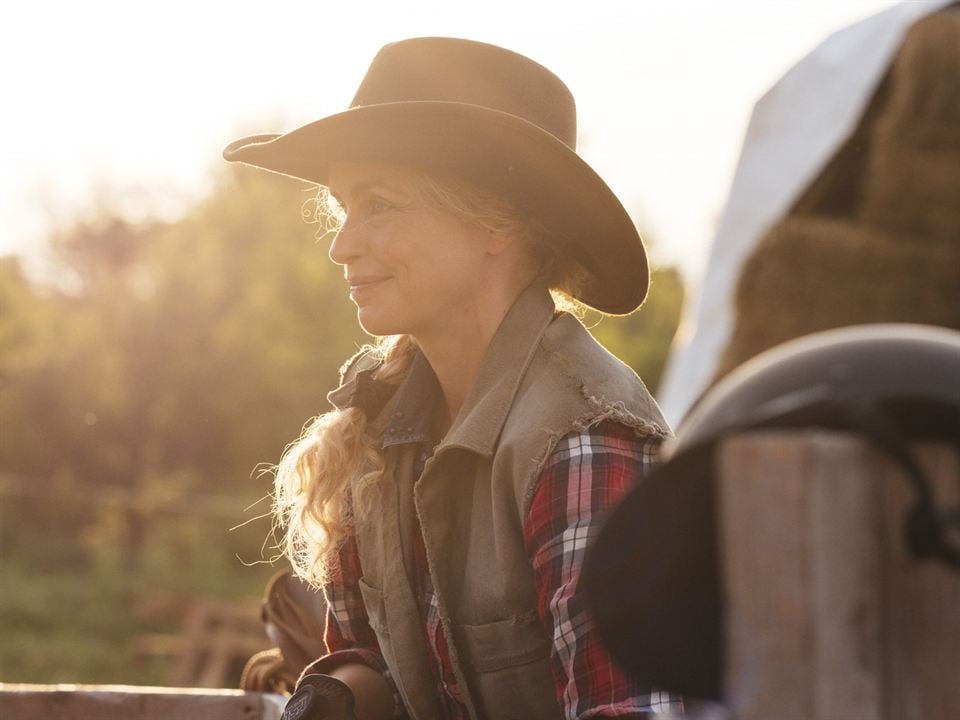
(499, 241)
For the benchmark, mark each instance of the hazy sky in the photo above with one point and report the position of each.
(143, 96)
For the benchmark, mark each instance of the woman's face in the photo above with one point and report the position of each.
(411, 270)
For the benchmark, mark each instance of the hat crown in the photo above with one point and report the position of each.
(473, 73)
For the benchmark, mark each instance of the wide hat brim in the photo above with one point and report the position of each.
(494, 149)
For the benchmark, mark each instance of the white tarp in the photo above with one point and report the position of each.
(794, 131)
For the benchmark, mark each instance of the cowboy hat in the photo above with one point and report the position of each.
(488, 115)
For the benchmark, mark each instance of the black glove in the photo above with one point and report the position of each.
(320, 697)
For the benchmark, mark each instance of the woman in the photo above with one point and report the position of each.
(444, 505)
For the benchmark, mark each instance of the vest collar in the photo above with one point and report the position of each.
(395, 413)
(479, 422)
(411, 417)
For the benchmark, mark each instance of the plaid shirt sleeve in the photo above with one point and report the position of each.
(584, 476)
(348, 635)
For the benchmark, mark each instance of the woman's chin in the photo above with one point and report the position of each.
(376, 322)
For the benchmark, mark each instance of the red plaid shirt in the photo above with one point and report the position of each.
(587, 472)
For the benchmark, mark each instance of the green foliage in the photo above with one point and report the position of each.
(642, 339)
(140, 394)
(63, 628)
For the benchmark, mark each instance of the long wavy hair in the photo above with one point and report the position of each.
(323, 480)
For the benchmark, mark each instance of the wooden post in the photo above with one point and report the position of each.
(828, 615)
(124, 702)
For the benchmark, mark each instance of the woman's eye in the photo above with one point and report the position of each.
(379, 205)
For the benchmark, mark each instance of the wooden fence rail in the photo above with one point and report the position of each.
(124, 702)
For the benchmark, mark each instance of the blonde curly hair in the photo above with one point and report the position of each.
(323, 479)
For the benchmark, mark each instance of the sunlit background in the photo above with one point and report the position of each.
(167, 323)
(110, 95)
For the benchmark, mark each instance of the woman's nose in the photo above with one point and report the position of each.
(347, 244)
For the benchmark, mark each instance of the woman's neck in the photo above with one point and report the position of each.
(457, 350)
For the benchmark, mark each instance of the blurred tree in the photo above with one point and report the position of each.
(642, 339)
(24, 314)
(194, 349)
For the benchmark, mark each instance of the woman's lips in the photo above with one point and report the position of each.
(360, 285)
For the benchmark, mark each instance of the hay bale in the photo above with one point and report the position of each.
(817, 273)
(914, 194)
(876, 237)
(838, 188)
(912, 181)
(924, 106)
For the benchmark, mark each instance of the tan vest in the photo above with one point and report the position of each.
(543, 377)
